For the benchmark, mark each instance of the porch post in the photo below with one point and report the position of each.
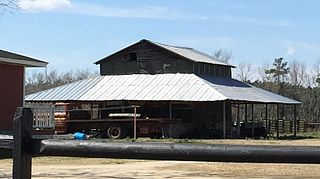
(224, 119)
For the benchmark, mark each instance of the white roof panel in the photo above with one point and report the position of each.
(160, 87)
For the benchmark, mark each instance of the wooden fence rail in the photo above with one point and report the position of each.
(24, 147)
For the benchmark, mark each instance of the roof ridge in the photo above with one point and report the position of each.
(174, 46)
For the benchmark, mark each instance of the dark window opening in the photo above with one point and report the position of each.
(182, 111)
(133, 56)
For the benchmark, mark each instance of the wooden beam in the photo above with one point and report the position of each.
(224, 120)
(246, 118)
(135, 123)
(277, 121)
(295, 119)
(252, 124)
(238, 120)
(22, 159)
(266, 115)
(170, 110)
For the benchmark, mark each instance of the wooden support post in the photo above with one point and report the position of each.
(252, 124)
(295, 119)
(22, 144)
(238, 120)
(246, 114)
(135, 123)
(246, 118)
(224, 120)
(170, 110)
(277, 121)
(266, 115)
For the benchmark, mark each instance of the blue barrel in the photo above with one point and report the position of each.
(79, 136)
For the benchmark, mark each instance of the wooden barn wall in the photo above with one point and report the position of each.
(209, 115)
(154, 60)
(11, 93)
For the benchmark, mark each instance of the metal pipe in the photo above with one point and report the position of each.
(185, 152)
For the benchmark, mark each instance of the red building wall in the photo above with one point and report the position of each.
(11, 93)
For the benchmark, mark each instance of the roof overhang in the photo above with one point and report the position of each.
(17, 59)
(161, 87)
(26, 63)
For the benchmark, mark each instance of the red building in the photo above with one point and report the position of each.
(12, 70)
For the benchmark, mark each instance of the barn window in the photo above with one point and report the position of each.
(133, 56)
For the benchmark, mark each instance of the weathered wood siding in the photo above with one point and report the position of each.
(154, 60)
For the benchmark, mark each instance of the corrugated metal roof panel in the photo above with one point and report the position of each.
(68, 92)
(161, 87)
(192, 54)
(236, 90)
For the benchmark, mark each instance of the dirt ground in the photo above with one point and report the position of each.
(71, 168)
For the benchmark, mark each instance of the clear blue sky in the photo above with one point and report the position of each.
(72, 34)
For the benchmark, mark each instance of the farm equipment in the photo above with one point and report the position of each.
(112, 122)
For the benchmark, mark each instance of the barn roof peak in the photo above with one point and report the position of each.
(185, 52)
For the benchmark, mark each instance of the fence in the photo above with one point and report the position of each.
(25, 146)
(286, 126)
(43, 117)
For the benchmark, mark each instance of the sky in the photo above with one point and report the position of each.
(73, 34)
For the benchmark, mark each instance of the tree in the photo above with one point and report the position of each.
(316, 72)
(223, 55)
(8, 6)
(298, 75)
(280, 70)
(244, 71)
(39, 81)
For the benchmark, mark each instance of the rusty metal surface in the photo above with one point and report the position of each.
(161, 87)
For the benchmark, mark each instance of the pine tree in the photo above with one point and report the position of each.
(280, 70)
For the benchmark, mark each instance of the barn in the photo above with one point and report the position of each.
(12, 72)
(176, 83)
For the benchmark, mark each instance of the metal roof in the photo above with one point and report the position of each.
(192, 54)
(160, 87)
(9, 57)
(186, 52)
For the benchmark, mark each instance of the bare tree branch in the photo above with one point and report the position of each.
(223, 55)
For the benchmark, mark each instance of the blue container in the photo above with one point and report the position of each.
(79, 136)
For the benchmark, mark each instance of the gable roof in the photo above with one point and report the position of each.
(13, 58)
(185, 52)
(161, 87)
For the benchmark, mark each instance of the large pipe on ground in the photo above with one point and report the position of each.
(178, 151)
